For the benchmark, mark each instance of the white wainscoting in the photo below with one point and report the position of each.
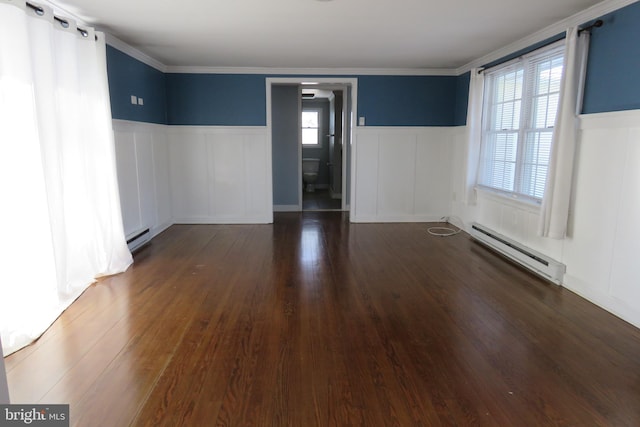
(401, 174)
(220, 175)
(142, 155)
(601, 253)
(462, 212)
(517, 220)
(192, 174)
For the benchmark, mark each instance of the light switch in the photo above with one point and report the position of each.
(140, 101)
(134, 99)
(360, 121)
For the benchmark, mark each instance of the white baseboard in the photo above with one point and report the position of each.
(160, 228)
(396, 218)
(223, 220)
(286, 208)
(622, 309)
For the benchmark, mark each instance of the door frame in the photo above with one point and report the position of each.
(328, 83)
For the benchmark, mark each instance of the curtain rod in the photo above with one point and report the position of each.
(599, 23)
(39, 10)
(596, 24)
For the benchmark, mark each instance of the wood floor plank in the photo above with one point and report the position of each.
(314, 321)
(160, 323)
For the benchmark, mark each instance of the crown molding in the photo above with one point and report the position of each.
(594, 12)
(314, 71)
(143, 57)
(115, 42)
(110, 39)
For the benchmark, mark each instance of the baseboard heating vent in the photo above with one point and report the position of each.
(137, 239)
(540, 264)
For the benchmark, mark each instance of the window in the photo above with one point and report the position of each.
(311, 128)
(521, 102)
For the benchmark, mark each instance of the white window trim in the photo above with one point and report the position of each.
(319, 144)
(514, 197)
(510, 199)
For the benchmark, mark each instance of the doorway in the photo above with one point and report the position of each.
(335, 100)
(322, 147)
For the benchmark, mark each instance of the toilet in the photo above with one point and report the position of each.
(310, 169)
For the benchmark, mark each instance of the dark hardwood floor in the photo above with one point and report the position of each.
(313, 321)
(320, 200)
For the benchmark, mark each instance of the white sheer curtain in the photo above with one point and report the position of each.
(61, 224)
(474, 133)
(554, 213)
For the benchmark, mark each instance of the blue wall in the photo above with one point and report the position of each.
(613, 71)
(407, 100)
(284, 132)
(128, 76)
(240, 99)
(216, 99)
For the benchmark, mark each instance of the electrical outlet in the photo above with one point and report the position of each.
(360, 121)
(140, 101)
(134, 99)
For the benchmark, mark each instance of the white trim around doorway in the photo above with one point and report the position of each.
(336, 83)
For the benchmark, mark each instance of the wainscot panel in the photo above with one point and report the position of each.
(143, 175)
(602, 251)
(401, 174)
(220, 174)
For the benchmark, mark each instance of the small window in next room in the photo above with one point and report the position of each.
(311, 128)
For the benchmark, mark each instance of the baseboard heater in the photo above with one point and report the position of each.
(540, 264)
(137, 239)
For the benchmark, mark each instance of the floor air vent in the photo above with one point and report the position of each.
(137, 239)
(540, 264)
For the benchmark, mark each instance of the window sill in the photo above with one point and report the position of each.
(507, 199)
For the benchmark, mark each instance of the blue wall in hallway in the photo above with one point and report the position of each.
(284, 131)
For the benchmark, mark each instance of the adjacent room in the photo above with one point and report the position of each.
(321, 212)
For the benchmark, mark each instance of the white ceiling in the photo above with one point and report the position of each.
(391, 34)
